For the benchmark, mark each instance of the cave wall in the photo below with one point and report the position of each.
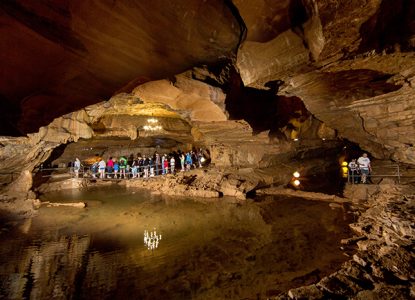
(350, 62)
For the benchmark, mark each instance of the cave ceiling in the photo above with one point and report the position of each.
(59, 56)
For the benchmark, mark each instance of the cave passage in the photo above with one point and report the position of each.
(263, 109)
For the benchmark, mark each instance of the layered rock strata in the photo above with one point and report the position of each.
(357, 81)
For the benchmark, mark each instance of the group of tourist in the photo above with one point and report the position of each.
(360, 170)
(143, 166)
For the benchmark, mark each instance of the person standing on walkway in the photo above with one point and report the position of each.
(182, 158)
(353, 171)
(77, 167)
(123, 166)
(110, 167)
(163, 170)
(101, 166)
(151, 166)
(172, 164)
(146, 164)
(189, 161)
(364, 166)
(157, 163)
(166, 164)
(134, 168)
(116, 168)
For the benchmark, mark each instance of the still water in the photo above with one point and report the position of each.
(209, 249)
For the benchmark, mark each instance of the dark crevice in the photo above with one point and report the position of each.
(298, 13)
(56, 153)
(45, 169)
(390, 28)
(243, 29)
(262, 109)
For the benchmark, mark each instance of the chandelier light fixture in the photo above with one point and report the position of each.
(151, 239)
(152, 125)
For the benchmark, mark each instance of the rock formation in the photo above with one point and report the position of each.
(367, 96)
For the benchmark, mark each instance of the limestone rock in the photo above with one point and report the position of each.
(21, 185)
(233, 144)
(204, 102)
(285, 53)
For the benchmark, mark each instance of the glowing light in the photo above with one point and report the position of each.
(152, 120)
(344, 164)
(151, 239)
(296, 140)
(323, 139)
(296, 174)
(296, 182)
(344, 172)
(152, 125)
(152, 128)
(203, 159)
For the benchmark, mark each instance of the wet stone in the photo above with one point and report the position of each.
(339, 285)
(307, 292)
(382, 291)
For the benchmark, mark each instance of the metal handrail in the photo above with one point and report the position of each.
(87, 170)
(351, 179)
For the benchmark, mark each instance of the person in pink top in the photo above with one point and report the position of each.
(110, 166)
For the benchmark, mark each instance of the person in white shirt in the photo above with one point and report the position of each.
(172, 164)
(364, 166)
(77, 167)
(102, 165)
(353, 172)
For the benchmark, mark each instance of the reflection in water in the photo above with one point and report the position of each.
(151, 240)
(216, 249)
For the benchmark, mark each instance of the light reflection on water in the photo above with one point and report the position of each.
(211, 249)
